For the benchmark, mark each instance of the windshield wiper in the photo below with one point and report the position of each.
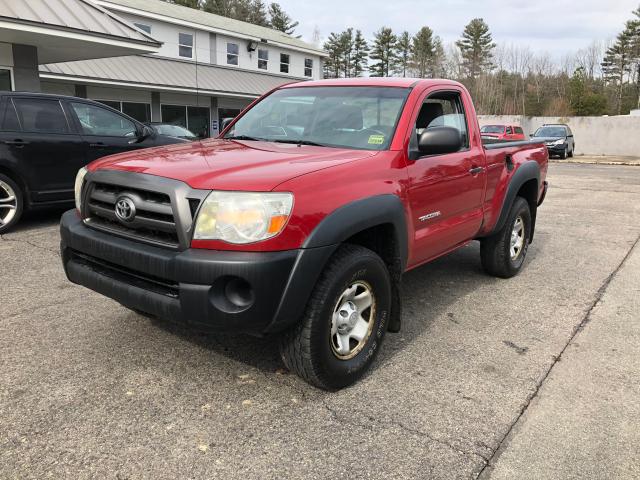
(245, 137)
(300, 142)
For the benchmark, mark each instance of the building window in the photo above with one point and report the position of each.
(143, 27)
(308, 67)
(136, 110)
(185, 45)
(284, 63)
(195, 119)
(5, 80)
(263, 59)
(232, 53)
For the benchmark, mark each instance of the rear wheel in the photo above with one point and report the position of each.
(11, 203)
(503, 254)
(344, 323)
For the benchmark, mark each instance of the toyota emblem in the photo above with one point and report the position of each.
(125, 209)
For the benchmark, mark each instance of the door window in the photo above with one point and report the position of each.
(95, 120)
(509, 131)
(443, 109)
(519, 131)
(10, 121)
(41, 115)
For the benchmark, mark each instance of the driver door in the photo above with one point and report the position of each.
(104, 131)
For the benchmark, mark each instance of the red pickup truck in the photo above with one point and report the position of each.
(301, 218)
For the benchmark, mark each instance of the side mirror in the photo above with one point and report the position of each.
(440, 140)
(143, 133)
(225, 123)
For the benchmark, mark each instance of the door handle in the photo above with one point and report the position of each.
(16, 143)
(475, 170)
(97, 145)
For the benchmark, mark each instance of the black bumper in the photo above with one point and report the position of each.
(250, 292)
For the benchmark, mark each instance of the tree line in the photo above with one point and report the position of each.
(503, 79)
(252, 11)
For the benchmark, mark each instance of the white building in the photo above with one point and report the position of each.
(202, 67)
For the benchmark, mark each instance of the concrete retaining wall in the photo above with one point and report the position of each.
(618, 135)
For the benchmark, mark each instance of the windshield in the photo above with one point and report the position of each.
(550, 132)
(351, 117)
(173, 131)
(492, 129)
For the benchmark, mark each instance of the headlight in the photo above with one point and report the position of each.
(558, 142)
(78, 186)
(242, 217)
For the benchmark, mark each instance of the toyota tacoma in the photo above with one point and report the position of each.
(300, 219)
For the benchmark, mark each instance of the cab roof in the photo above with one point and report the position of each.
(372, 82)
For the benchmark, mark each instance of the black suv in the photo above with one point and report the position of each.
(558, 138)
(46, 139)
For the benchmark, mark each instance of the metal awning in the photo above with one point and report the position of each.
(65, 30)
(164, 74)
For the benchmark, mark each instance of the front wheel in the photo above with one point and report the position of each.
(503, 253)
(564, 153)
(345, 321)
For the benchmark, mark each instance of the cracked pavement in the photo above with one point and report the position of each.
(466, 389)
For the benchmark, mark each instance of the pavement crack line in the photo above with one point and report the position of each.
(490, 462)
(341, 419)
(34, 245)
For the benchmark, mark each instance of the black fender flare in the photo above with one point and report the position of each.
(334, 229)
(358, 216)
(529, 170)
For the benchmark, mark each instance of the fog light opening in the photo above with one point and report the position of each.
(231, 294)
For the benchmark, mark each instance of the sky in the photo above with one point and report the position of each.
(554, 26)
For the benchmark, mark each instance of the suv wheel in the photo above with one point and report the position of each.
(503, 254)
(11, 203)
(571, 152)
(345, 321)
(564, 153)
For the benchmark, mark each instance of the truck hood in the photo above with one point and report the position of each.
(230, 164)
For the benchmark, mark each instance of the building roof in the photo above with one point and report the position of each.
(165, 74)
(179, 14)
(70, 30)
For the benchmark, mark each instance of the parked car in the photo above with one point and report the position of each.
(305, 234)
(503, 132)
(170, 130)
(558, 139)
(46, 139)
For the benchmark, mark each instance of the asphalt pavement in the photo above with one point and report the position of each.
(532, 377)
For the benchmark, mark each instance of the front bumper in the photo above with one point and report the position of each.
(250, 292)
(556, 149)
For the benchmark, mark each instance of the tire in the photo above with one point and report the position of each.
(571, 152)
(496, 251)
(564, 154)
(11, 203)
(312, 348)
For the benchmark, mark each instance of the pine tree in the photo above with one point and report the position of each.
(384, 53)
(360, 55)
(403, 54)
(422, 53)
(333, 63)
(476, 47)
(616, 65)
(258, 13)
(188, 3)
(439, 59)
(346, 50)
(219, 7)
(280, 20)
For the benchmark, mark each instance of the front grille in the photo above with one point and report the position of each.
(154, 220)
